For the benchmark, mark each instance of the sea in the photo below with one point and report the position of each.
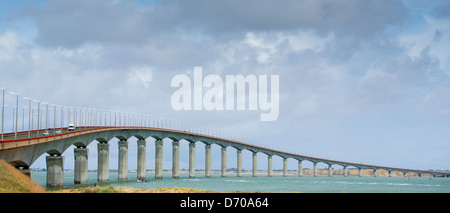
(276, 184)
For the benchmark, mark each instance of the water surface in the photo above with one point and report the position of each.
(277, 183)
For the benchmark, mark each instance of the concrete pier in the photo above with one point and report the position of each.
(255, 163)
(345, 171)
(192, 160)
(175, 159)
(300, 168)
(375, 172)
(81, 165)
(239, 163)
(55, 171)
(284, 167)
(103, 162)
(142, 156)
(359, 172)
(208, 160)
(269, 166)
(330, 170)
(315, 169)
(158, 158)
(223, 172)
(123, 160)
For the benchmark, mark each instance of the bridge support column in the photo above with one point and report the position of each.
(315, 169)
(175, 159)
(390, 173)
(208, 160)
(300, 168)
(142, 156)
(255, 163)
(158, 158)
(330, 170)
(81, 165)
(375, 172)
(269, 167)
(284, 167)
(55, 171)
(360, 172)
(239, 163)
(224, 162)
(192, 160)
(103, 162)
(345, 171)
(123, 160)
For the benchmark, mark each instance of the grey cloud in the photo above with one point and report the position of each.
(438, 34)
(72, 23)
(443, 11)
(398, 79)
(355, 17)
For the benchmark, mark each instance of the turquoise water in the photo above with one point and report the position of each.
(277, 183)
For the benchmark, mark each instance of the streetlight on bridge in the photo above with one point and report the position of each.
(3, 111)
(17, 113)
(29, 115)
(54, 119)
(38, 116)
(62, 118)
(46, 116)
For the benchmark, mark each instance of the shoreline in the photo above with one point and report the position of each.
(112, 189)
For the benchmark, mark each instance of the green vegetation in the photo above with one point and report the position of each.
(14, 181)
(111, 189)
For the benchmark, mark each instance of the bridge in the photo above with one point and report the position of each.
(22, 148)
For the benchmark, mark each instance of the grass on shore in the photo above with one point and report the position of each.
(14, 181)
(111, 189)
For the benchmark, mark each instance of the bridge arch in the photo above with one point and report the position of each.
(139, 137)
(18, 164)
(102, 140)
(81, 144)
(121, 138)
(173, 138)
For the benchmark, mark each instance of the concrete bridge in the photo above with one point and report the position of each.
(21, 149)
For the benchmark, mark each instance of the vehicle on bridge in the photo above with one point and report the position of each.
(46, 132)
(71, 127)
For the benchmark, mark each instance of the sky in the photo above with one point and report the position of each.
(359, 81)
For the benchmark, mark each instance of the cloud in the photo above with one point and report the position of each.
(140, 75)
(70, 24)
(9, 41)
(348, 17)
